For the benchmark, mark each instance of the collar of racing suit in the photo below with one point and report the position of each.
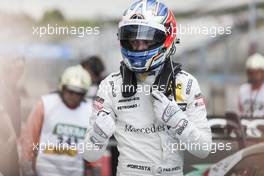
(160, 78)
(149, 77)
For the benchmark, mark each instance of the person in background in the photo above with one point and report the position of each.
(251, 94)
(52, 138)
(95, 67)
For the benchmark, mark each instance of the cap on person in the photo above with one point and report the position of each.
(255, 62)
(76, 79)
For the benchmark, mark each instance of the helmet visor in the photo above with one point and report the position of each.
(140, 37)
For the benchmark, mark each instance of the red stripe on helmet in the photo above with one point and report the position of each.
(170, 26)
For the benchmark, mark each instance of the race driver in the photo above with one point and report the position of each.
(148, 124)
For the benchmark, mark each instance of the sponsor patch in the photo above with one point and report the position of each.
(69, 130)
(139, 167)
(146, 130)
(182, 124)
(171, 169)
(60, 150)
(128, 99)
(189, 86)
(183, 106)
(67, 138)
(179, 96)
(158, 170)
(179, 86)
(113, 88)
(127, 107)
(199, 100)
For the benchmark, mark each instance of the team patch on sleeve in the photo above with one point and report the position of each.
(199, 100)
(98, 103)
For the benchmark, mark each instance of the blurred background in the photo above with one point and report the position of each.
(217, 60)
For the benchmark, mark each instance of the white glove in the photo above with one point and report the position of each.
(166, 111)
(103, 128)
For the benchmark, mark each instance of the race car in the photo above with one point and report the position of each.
(246, 162)
(241, 161)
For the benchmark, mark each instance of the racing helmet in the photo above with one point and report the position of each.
(255, 61)
(152, 23)
(76, 79)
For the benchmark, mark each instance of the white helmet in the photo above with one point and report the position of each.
(75, 78)
(150, 21)
(255, 61)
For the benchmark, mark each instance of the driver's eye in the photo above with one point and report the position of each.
(150, 42)
(132, 42)
(144, 42)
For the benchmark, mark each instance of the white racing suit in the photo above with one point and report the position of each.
(147, 146)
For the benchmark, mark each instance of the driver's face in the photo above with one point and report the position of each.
(255, 76)
(140, 45)
(72, 99)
